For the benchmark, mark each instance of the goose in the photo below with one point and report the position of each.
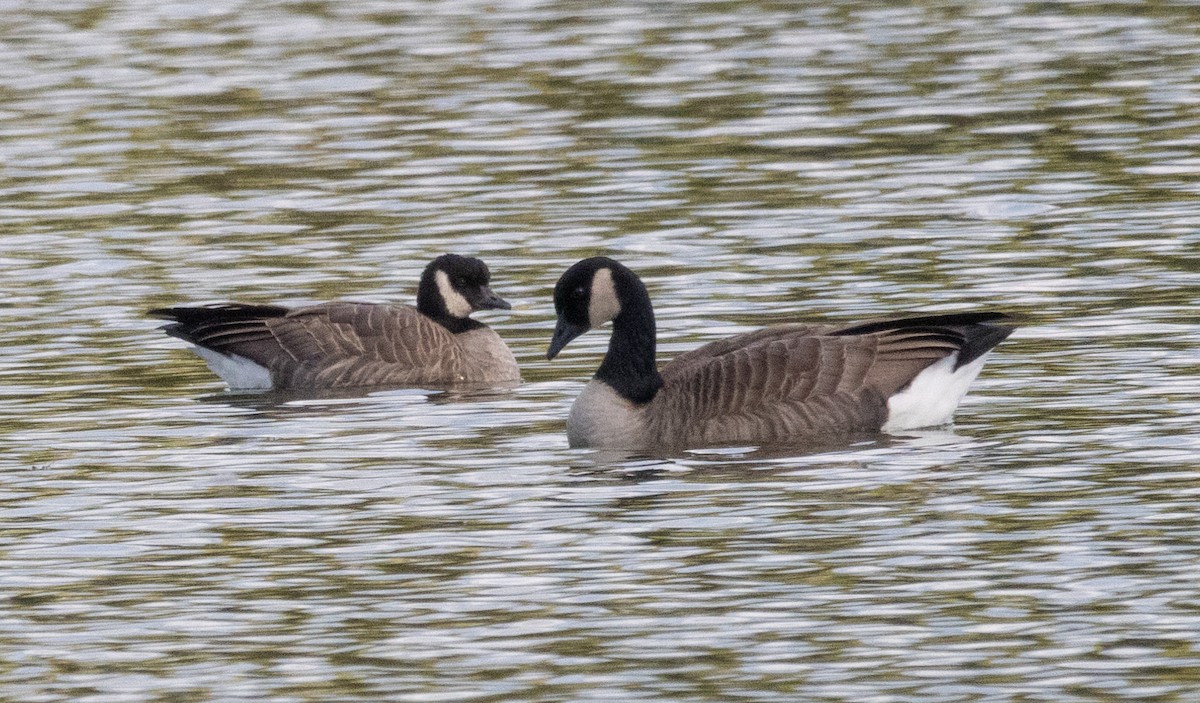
(345, 344)
(787, 384)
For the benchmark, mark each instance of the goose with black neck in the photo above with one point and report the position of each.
(790, 384)
(345, 344)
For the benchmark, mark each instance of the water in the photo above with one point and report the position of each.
(756, 162)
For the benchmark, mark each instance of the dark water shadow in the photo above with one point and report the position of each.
(748, 462)
(289, 403)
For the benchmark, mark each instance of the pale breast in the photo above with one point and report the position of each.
(487, 357)
(602, 418)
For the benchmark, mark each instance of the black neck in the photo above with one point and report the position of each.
(458, 325)
(429, 298)
(629, 366)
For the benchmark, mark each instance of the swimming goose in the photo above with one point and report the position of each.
(348, 344)
(781, 385)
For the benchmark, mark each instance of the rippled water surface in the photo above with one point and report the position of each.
(164, 540)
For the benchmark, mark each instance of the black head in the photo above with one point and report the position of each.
(593, 292)
(589, 294)
(452, 287)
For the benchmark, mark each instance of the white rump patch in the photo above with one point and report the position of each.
(933, 395)
(239, 372)
(603, 305)
(456, 304)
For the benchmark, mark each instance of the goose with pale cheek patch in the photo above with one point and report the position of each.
(349, 344)
(790, 384)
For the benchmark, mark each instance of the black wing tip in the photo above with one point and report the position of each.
(981, 339)
(219, 312)
(977, 333)
(960, 319)
(214, 326)
(179, 331)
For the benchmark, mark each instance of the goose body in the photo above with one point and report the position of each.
(350, 344)
(781, 385)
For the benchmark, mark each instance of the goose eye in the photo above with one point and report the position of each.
(460, 282)
(579, 292)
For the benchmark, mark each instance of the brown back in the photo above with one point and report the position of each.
(345, 344)
(788, 381)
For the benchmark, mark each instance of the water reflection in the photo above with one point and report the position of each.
(325, 401)
(759, 162)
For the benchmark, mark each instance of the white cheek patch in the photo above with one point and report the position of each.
(456, 304)
(604, 304)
